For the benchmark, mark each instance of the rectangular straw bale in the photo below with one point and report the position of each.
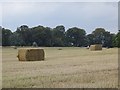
(96, 47)
(31, 54)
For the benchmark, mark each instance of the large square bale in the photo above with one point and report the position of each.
(95, 47)
(31, 54)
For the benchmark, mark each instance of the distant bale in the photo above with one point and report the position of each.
(96, 47)
(31, 54)
(59, 48)
(15, 47)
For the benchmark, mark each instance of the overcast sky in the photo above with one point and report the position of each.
(85, 15)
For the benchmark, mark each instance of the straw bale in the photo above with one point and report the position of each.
(96, 47)
(59, 48)
(31, 54)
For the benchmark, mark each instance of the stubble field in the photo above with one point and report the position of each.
(71, 67)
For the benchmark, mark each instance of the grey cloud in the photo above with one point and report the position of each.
(87, 15)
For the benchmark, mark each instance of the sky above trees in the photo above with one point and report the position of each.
(86, 15)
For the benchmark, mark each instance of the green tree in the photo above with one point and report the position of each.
(76, 36)
(58, 35)
(6, 33)
(16, 39)
(50, 36)
(38, 34)
(108, 39)
(114, 44)
(100, 36)
(117, 39)
(42, 35)
(91, 39)
(25, 34)
(47, 36)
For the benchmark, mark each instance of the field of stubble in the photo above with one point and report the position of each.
(71, 67)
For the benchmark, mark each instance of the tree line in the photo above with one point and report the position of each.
(58, 37)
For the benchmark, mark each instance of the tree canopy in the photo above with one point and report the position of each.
(58, 36)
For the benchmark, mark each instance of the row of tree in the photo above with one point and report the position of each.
(46, 36)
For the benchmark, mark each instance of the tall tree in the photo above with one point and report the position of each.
(47, 36)
(58, 35)
(16, 39)
(117, 39)
(6, 33)
(42, 35)
(100, 36)
(107, 40)
(91, 39)
(25, 34)
(114, 44)
(38, 34)
(76, 36)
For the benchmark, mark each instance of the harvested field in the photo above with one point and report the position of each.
(71, 67)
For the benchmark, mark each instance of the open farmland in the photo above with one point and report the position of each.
(71, 67)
